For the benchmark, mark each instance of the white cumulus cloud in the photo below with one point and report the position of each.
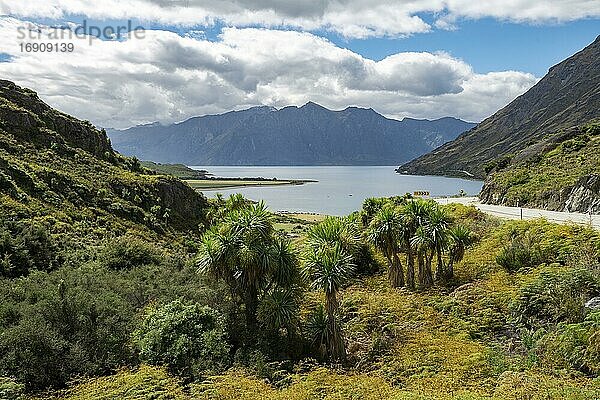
(166, 77)
(351, 18)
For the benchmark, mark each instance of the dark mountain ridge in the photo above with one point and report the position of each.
(568, 96)
(306, 135)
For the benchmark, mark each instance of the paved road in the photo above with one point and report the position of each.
(527, 213)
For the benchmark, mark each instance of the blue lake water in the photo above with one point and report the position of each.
(339, 190)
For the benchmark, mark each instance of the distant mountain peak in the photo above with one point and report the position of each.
(313, 106)
(360, 109)
(262, 108)
(306, 135)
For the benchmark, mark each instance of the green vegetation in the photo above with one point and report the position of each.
(187, 338)
(178, 170)
(311, 325)
(541, 175)
(171, 296)
(200, 180)
(329, 262)
(207, 184)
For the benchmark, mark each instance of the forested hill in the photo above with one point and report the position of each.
(569, 95)
(61, 173)
(307, 135)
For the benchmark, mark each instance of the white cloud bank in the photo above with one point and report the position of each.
(351, 18)
(165, 77)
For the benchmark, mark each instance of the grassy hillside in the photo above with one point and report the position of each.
(179, 170)
(557, 174)
(62, 174)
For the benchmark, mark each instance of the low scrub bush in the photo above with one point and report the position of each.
(574, 345)
(127, 253)
(556, 295)
(189, 339)
(26, 247)
(522, 252)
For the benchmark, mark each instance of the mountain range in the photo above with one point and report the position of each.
(306, 135)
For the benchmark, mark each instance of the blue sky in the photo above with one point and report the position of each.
(491, 45)
(422, 59)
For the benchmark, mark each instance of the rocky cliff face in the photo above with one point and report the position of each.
(583, 197)
(22, 111)
(560, 173)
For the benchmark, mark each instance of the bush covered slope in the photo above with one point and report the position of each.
(562, 173)
(510, 325)
(62, 173)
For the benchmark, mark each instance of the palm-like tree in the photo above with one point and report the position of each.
(216, 255)
(221, 208)
(317, 329)
(437, 224)
(243, 251)
(460, 237)
(279, 310)
(385, 232)
(370, 207)
(335, 230)
(425, 246)
(327, 268)
(414, 213)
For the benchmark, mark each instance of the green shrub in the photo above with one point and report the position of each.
(10, 389)
(144, 382)
(522, 252)
(78, 320)
(366, 261)
(556, 295)
(187, 338)
(127, 253)
(26, 247)
(574, 345)
(52, 331)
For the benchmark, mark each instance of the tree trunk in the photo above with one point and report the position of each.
(428, 279)
(450, 269)
(410, 268)
(396, 273)
(336, 346)
(440, 272)
(421, 264)
(251, 300)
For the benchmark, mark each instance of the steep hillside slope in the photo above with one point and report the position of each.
(559, 174)
(62, 173)
(307, 135)
(567, 96)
